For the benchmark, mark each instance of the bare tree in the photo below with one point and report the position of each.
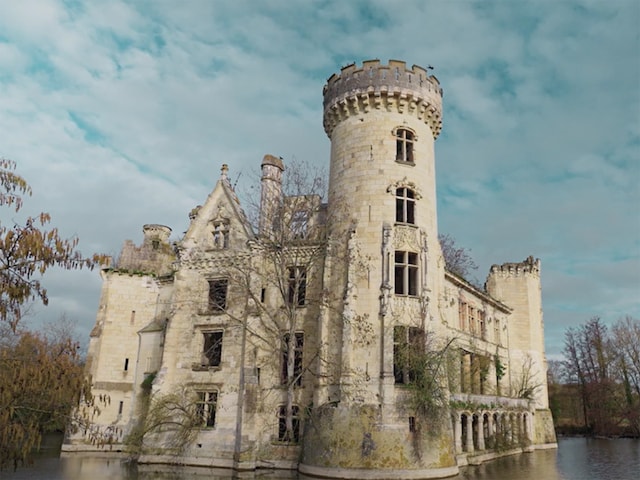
(457, 259)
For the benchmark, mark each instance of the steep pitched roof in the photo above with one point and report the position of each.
(222, 206)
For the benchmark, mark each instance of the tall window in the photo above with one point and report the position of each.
(406, 273)
(206, 404)
(288, 351)
(405, 205)
(218, 295)
(483, 324)
(472, 320)
(294, 436)
(221, 234)
(462, 313)
(408, 345)
(212, 349)
(404, 145)
(299, 224)
(297, 290)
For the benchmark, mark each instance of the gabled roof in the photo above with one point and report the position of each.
(222, 204)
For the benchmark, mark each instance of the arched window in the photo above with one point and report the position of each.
(404, 145)
(405, 205)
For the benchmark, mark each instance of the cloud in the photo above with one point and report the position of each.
(121, 114)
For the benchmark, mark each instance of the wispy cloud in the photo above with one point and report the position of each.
(121, 113)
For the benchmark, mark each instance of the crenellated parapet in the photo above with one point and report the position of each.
(528, 266)
(390, 87)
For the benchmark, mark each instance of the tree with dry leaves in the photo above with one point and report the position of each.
(41, 381)
(29, 249)
(41, 378)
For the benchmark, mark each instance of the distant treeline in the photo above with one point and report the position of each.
(595, 390)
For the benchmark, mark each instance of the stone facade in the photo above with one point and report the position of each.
(296, 346)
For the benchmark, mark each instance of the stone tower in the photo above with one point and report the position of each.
(382, 121)
(518, 285)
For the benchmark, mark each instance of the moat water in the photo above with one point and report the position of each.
(575, 459)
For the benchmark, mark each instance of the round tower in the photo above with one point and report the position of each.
(383, 121)
(384, 275)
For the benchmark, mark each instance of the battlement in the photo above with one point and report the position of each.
(375, 86)
(528, 266)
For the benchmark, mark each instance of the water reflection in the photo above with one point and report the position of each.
(576, 459)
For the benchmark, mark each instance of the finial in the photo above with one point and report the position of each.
(223, 171)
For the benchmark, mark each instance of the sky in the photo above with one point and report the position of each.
(121, 113)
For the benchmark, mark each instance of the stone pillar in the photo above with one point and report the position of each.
(490, 428)
(480, 431)
(469, 439)
(457, 432)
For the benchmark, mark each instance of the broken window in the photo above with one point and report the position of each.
(404, 145)
(206, 404)
(292, 351)
(297, 289)
(294, 435)
(405, 205)
(218, 295)
(406, 273)
(408, 347)
(299, 224)
(212, 349)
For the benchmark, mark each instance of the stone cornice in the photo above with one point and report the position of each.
(462, 283)
(390, 87)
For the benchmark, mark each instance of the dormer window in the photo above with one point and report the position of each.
(404, 145)
(221, 234)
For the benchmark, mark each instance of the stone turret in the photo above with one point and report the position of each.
(154, 256)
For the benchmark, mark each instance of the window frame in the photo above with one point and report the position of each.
(405, 145)
(406, 270)
(282, 424)
(206, 405)
(298, 366)
(220, 234)
(409, 341)
(213, 359)
(217, 295)
(297, 286)
(405, 205)
(299, 224)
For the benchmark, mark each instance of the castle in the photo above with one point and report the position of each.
(324, 337)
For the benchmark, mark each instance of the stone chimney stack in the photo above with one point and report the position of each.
(271, 192)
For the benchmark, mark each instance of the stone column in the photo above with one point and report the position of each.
(469, 439)
(491, 434)
(457, 432)
(480, 431)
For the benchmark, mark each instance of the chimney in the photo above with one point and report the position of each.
(270, 193)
